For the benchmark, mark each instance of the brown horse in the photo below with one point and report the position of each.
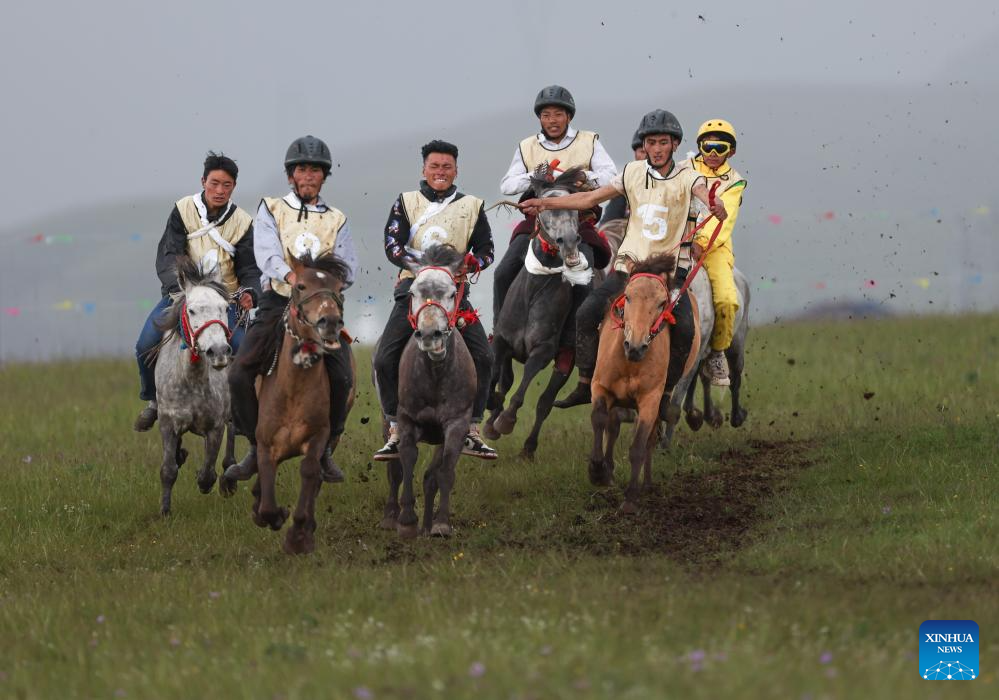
(632, 362)
(294, 397)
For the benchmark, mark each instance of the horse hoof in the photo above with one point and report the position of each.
(527, 454)
(440, 530)
(715, 418)
(600, 475)
(227, 487)
(628, 508)
(299, 541)
(206, 485)
(695, 419)
(407, 532)
(388, 523)
(739, 417)
(489, 432)
(505, 423)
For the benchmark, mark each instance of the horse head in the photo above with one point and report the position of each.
(434, 298)
(203, 313)
(315, 311)
(643, 309)
(560, 227)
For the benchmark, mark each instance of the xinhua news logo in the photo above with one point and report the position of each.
(948, 650)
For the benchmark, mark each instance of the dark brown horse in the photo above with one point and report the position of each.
(632, 363)
(294, 397)
(436, 389)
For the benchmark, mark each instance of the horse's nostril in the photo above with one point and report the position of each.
(438, 334)
(418, 334)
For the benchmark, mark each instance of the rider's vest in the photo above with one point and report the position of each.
(577, 154)
(432, 224)
(315, 233)
(659, 208)
(730, 187)
(214, 245)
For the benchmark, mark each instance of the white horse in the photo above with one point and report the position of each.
(683, 392)
(192, 387)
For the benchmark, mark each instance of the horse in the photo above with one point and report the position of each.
(294, 397)
(632, 362)
(437, 383)
(192, 388)
(535, 311)
(683, 392)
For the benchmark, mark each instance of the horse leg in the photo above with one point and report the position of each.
(430, 488)
(408, 453)
(711, 410)
(695, 418)
(650, 449)
(227, 486)
(169, 467)
(507, 420)
(454, 437)
(501, 381)
(598, 419)
(541, 411)
(613, 431)
(301, 535)
(648, 414)
(393, 474)
(268, 512)
(736, 363)
(213, 443)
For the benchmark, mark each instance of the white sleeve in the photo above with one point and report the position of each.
(517, 179)
(603, 166)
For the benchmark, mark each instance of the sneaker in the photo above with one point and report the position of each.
(476, 447)
(579, 396)
(328, 469)
(715, 368)
(391, 449)
(146, 419)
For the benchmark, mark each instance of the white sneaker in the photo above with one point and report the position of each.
(391, 449)
(475, 446)
(716, 368)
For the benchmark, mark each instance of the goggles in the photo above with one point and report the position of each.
(718, 148)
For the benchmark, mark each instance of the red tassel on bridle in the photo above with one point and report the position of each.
(191, 338)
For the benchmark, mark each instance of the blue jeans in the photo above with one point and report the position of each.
(150, 337)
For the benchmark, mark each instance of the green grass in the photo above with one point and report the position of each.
(794, 557)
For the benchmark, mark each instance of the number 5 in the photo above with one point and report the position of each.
(649, 214)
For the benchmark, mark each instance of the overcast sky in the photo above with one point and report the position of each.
(111, 100)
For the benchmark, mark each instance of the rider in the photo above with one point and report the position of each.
(296, 224)
(214, 232)
(558, 140)
(716, 142)
(435, 214)
(659, 197)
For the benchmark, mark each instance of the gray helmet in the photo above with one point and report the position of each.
(659, 121)
(555, 96)
(308, 150)
(637, 141)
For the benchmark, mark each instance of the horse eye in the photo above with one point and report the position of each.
(300, 287)
(192, 312)
(626, 298)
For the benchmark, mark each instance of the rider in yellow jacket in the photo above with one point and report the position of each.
(716, 141)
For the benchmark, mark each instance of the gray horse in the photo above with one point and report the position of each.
(535, 312)
(437, 386)
(683, 392)
(192, 389)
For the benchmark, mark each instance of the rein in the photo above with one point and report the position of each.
(666, 316)
(453, 315)
(189, 338)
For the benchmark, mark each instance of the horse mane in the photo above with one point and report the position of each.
(188, 273)
(333, 264)
(661, 264)
(569, 180)
(442, 255)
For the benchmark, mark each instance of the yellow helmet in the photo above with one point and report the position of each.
(716, 126)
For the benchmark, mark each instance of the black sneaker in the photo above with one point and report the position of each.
(579, 396)
(146, 419)
(475, 447)
(391, 449)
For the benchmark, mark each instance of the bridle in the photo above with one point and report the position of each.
(294, 310)
(189, 337)
(665, 316)
(452, 315)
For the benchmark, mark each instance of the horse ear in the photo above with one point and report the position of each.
(293, 262)
(412, 264)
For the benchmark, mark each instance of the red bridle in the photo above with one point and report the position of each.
(452, 316)
(190, 337)
(665, 316)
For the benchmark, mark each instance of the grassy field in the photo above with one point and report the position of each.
(793, 558)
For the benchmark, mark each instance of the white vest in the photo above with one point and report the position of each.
(315, 234)
(439, 223)
(214, 246)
